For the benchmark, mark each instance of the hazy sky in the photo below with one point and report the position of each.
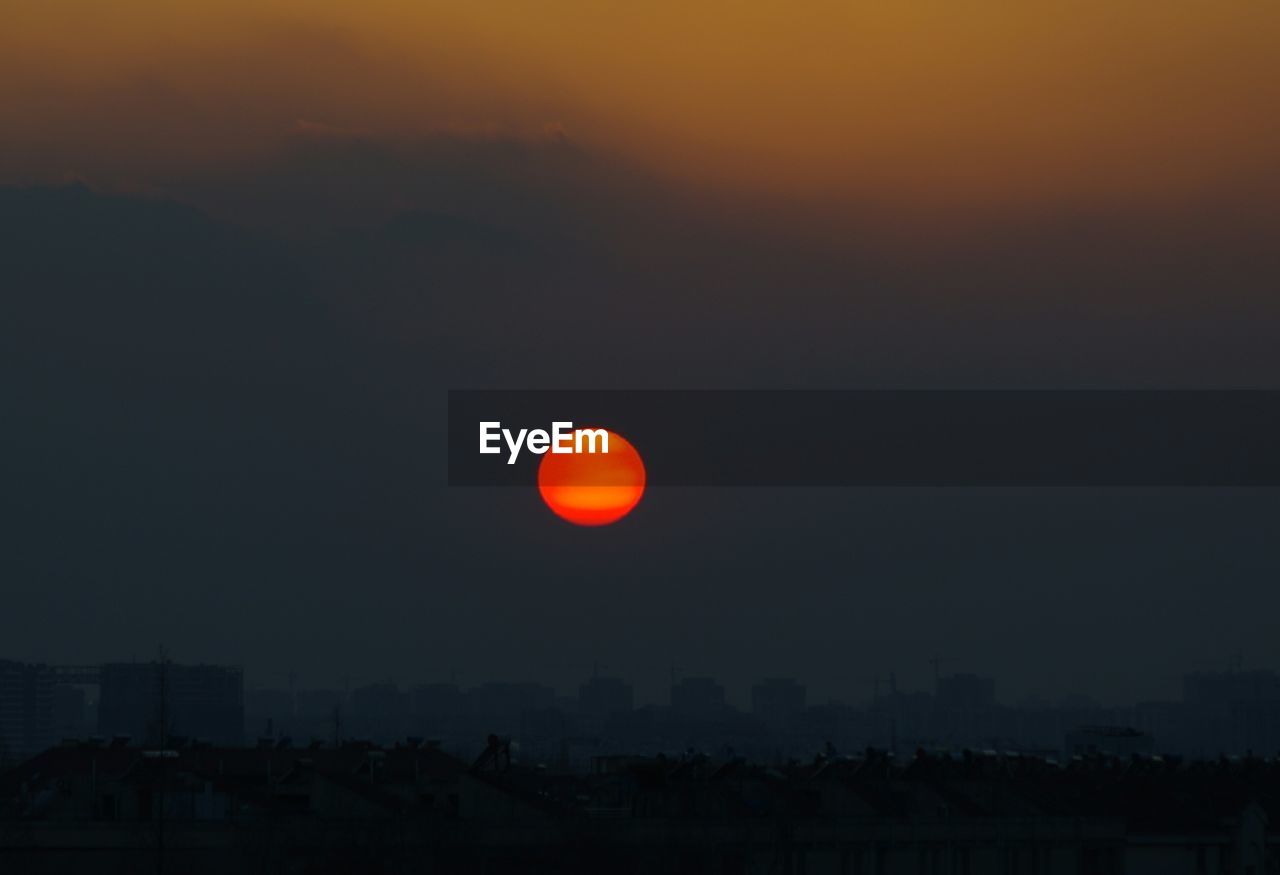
(899, 103)
(224, 362)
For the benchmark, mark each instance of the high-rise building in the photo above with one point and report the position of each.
(70, 712)
(26, 709)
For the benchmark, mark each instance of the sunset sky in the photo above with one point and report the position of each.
(247, 247)
(899, 104)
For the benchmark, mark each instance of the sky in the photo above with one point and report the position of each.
(914, 104)
(247, 248)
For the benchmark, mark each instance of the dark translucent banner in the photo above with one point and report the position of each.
(889, 438)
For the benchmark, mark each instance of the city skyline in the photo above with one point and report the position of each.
(1217, 713)
(862, 691)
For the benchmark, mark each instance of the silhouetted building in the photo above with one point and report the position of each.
(777, 702)
(1223, 689)
(26, 709)
(437, 710)
(195, 701)
(379, 712)
(1232, 712)
(70, 712)
(1175, 724)
(360, 808)
(500, 707)
(436, 700)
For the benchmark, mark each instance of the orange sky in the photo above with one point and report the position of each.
(904, 101)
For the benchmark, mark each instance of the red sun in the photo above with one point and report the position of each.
(593, 489)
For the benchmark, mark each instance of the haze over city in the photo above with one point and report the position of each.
(248, 249)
